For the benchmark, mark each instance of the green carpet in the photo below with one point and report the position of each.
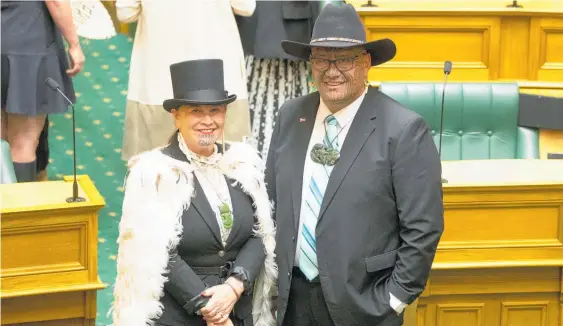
(101, 91)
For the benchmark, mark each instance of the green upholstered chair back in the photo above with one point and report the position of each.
(7, 174)
(480, 119)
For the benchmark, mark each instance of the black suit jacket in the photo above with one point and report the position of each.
(201, 247)
(382, 214)
(274, 21)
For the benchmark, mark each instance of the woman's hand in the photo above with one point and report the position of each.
(76, 60)
(223, 299)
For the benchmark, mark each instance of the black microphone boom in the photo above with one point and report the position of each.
(447, 71)
(55, 86)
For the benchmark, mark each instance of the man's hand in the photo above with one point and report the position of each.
(223, 299)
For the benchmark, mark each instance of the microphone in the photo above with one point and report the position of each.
(55, 86)
(447, 71)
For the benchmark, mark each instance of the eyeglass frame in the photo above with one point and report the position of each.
(333, 61)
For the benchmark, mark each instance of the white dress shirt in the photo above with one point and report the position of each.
(344, 118)
(212, 181)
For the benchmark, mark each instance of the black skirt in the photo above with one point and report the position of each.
(32, 50)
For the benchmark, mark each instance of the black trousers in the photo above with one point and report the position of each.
(42, 151)
(306, 305)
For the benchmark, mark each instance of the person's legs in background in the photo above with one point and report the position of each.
(42, 153)
(4, 127)
(22, 133)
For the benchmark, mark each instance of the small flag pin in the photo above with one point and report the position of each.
(302, 119)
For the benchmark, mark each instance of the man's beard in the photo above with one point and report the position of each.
(206, 140)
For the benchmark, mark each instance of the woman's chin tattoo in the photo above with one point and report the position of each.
(206, 140)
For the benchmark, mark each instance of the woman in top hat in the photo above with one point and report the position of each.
(196, 238)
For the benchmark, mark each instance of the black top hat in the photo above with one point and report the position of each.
(341, 27)
(198, 82)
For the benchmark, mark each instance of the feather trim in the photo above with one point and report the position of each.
(158, 190)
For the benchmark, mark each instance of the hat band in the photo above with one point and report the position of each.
(204, 95)
(339, 39)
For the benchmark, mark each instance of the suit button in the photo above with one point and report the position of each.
(288, 275)
(221, 253)
(293, 239)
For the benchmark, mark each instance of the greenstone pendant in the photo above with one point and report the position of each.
(324, 155)
(226, 216)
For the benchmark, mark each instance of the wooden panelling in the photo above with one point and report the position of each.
(483, 40)
(67, 241)
(495, 280)
(469, 314)
(532, 5)
(45, 307)
(538, 309)
(63, 322)
(501, 256)
(472, 44)
(525, 313)
(514, 48)
(547, 49)
(511, 225)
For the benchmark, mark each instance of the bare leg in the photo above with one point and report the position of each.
(4, 125)
(23, 136)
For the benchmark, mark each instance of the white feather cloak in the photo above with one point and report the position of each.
(158, 190)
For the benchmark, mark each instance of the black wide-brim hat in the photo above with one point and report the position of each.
(341, 27)
(198, 82)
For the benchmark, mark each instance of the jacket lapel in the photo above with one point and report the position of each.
(199, 202)
(237, 197)
(301, 134)
(361, 128)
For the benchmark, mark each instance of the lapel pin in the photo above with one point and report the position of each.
(302, 119)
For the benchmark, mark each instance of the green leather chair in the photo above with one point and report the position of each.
(480, 119)
(7, 174)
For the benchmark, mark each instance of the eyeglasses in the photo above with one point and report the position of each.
(342, 64)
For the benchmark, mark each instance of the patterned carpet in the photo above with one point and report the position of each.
(101, 90)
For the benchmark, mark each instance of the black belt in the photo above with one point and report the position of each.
(220, 271)
(297, 272)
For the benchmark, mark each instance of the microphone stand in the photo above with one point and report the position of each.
(74, 199)
(369, 4)
(447, 70)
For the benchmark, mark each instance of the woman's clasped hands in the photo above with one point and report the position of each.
(223, 298)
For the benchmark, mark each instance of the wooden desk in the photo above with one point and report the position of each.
(49, 253)
(500, 259)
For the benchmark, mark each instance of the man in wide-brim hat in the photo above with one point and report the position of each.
(356, 182)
